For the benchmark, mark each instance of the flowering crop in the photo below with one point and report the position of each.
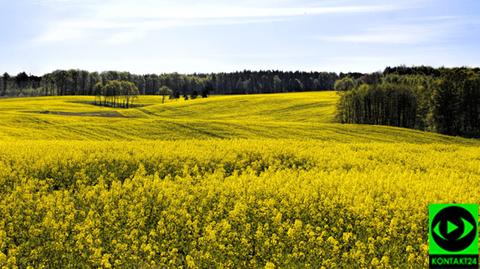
(226, 203)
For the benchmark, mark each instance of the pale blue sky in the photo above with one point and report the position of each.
(156, 36)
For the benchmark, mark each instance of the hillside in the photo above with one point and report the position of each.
(288, 116)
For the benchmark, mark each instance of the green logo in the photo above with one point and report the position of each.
(453, 235)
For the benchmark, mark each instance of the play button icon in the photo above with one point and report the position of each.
(453, 228)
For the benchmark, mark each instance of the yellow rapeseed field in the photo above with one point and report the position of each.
(261, 181)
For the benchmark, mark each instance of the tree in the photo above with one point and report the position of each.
(297, 85)
(277, 84)
(194, 95)
(116, 93)
(205, 92)
(110, 90)
(176, 95)
(98, 90)
(164, 91)
(22, 80)
(345, 84)
(6, 78)
(130, 92)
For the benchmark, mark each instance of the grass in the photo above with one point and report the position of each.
(288, 116)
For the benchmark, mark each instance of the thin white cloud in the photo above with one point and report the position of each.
(231, 11)
(402, 34)
(379, 37)
(127, 21)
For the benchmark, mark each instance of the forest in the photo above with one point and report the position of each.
(80, 82)
(446, 101)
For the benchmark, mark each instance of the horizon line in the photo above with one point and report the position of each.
(237, 71)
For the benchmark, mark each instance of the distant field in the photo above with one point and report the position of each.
(289, 116)
(251, 181)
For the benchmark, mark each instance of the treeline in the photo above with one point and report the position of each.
(443, 100)
(19, 85)
(80, 82)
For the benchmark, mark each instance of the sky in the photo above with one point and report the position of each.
(187, 36)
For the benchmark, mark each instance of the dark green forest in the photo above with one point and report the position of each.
(80, 82)
(446, 101)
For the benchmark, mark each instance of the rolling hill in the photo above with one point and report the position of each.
(285, 116)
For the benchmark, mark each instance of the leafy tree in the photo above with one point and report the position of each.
(297, 85)
(345, 84)
(110, 90)
(176, 95)
(116, 93)
(164, 91)
(277, 83)
(98, 92)
(205, 93)
(21, 80)
(6, 78)
(194, 95)
(130, 92)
